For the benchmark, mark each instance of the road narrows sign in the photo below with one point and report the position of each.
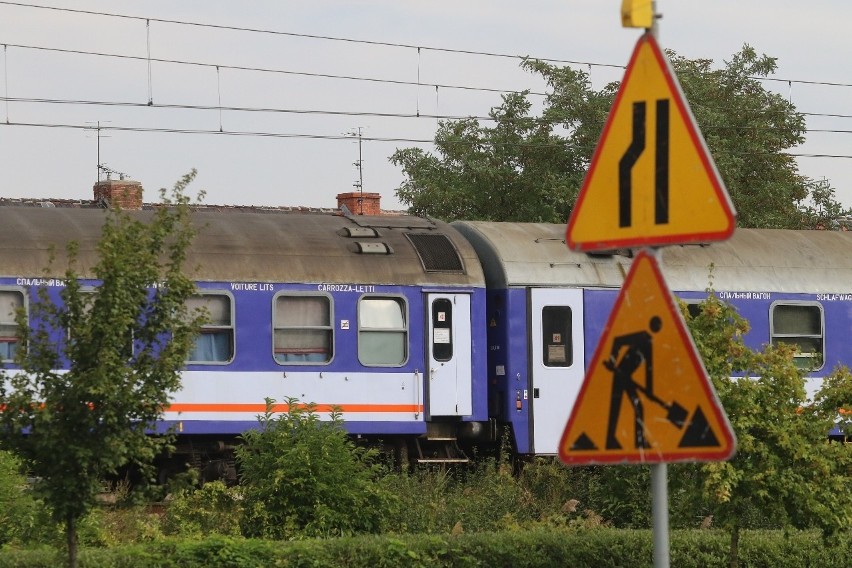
(646, 397)
(652, 180)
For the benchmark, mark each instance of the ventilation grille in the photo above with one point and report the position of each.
(436, 252)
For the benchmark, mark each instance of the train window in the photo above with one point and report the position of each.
(693, 307)
(303, 330)
(556, 340)
(10, 301)
(800, 325)
(87, 299)
(382, 331)
(442, 329)
(215, 342)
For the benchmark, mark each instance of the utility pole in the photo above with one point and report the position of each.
(100, 167)
(360, 165)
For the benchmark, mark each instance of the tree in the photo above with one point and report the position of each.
(785, 469)
(527, 168)
(304, 477)
(125, 343)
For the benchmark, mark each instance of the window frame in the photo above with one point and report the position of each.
(775, 338)
(405, 330)
(442, 352)
(214, 328)
(567, 341)
(12, 322)
(329, 328)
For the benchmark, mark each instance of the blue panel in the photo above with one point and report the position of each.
(479, 356)
(253, 315)
(507, 350)
(597, 306)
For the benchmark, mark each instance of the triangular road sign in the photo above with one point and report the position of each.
(652, 180)
(646, 397)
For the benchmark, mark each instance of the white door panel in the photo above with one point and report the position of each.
(449, 356)
(557, 362)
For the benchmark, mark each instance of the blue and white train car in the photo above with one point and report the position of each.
(546, 310)
(547, 307)
(373, 315)
(425, 333)
(793, 287)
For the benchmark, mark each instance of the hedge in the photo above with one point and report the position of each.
(593, 548)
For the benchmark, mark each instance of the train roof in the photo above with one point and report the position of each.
(770, 260)
(534, 254)
(261, 246)
(767, 260)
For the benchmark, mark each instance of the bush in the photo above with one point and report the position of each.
(19, 511)
(302, 477)
(214, 509)
(538, 548)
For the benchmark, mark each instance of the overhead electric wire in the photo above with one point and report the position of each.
(268, 70)
(258, 134)
(274, 110)
(32, 100)
(375, 42)
(249, 133)
(328, 76)
(308, 36)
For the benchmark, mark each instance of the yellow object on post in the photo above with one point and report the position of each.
(637, 13)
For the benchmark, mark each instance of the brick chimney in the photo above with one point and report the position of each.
(360, 203)
(123, 193)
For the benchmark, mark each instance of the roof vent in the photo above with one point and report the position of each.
(372, 248)
(436, 252)
(358, 232)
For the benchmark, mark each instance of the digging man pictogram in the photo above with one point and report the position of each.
(639, 352)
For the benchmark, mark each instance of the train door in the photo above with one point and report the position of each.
(557, 365)
(449, 389)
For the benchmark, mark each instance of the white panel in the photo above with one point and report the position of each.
(449, 382)
(556, 387)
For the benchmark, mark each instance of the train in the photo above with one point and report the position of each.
(429, 337)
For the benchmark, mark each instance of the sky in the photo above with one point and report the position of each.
(267, 98)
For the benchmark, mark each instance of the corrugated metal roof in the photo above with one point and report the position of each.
(535, 254)
(770, 260)
(244, 246)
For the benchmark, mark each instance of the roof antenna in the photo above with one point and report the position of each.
(359, 163)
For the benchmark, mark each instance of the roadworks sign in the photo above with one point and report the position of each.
(652, 180)
(646, 397)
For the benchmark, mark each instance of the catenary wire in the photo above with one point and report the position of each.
(268, 70)
(378, 43)
(324, 112)
(260, 134)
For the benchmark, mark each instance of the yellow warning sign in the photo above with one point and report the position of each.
(646, 397)
(652, 180)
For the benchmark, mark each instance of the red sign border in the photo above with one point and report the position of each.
(728, 445)
(699, 144)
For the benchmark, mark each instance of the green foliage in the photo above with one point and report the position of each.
(303, 477)
(518, 549)
(19, 511)
(436, 501)
(517, 170)
(748, 130)
(212, 509)
(125, 345)
(490, 497)
(785, 472)
(522, 167)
